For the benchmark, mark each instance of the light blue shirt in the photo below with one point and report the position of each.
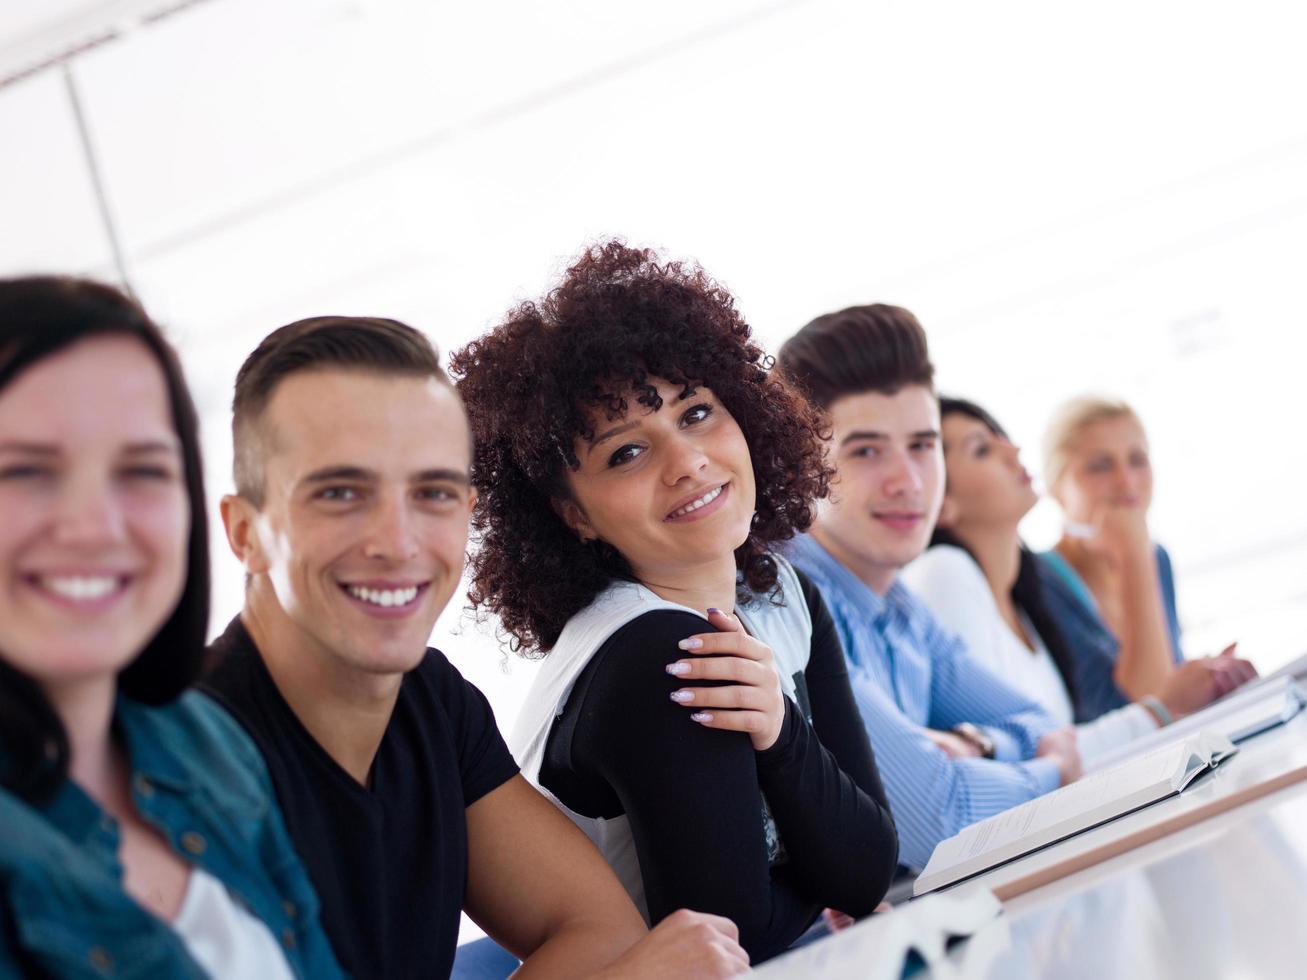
(908, 674)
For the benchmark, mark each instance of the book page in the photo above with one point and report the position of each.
(1086, 802)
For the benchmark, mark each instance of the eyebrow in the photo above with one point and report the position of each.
(329, 474)
(614, 431)
(45, 449)
(152, 446)
(860, 436)
(30, 448)
(436, 476)
(870, 436)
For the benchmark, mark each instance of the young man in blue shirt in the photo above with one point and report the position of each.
(955, 744)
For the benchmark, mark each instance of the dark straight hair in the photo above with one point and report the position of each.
(40, 316)
(1027, 591)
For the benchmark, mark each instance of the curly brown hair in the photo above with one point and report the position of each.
(618, 318)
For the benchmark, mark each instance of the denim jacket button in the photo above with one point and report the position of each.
(288, 937)
(193, 842)
(100, 959)
(143, 785)
(290, 909)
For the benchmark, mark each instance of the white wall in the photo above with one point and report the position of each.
(1108, 196)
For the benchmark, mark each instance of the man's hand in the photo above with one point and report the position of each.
(1060, 746)
(953, 745)
(685, 944)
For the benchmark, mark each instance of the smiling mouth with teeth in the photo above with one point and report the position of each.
(80, 588)
(385, 598)
(698, 502)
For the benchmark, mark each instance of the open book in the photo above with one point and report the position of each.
(887, 945)
(1238, 716)
(1073, 809)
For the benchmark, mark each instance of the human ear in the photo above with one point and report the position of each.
(238, 517)
(948, 512)
(571, 514)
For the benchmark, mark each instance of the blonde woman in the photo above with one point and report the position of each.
(1112, 591)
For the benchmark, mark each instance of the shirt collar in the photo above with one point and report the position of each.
(845, 586)
(149, 736)
(146, 743)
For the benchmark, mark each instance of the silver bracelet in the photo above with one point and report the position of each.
(1158, 709)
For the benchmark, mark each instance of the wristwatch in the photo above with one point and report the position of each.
(970, 733)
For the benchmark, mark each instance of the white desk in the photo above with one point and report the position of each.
(1223, 898)
(1279, 754)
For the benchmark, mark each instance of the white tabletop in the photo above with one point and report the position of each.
(1265, 757)
(1224, 898)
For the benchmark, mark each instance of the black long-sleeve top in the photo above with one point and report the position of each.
(693, 795)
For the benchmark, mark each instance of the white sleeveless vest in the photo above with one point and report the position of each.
(787, 629)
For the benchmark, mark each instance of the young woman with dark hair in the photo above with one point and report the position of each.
(636, 463)
(982, 583)
(140, 837)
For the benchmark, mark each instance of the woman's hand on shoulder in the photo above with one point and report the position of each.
(750, 700)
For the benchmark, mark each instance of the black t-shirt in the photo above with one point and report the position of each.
(389, 862)
(694, 795)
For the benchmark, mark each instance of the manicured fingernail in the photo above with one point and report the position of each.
(713, 609)
(678, 668)
(691, 643)
(682, 697)
(701, 716)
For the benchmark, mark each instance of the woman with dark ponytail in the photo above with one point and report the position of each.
(981, 582)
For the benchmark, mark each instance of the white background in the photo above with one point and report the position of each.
(1105, 196)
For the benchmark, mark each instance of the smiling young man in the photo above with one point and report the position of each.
(351, 518)
(955, 744)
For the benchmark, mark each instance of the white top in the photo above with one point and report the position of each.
(222, 937)
(787, 629)
(956, 591)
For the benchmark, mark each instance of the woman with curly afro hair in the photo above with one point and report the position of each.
(636, 464)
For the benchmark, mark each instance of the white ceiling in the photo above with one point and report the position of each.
(1106, 195)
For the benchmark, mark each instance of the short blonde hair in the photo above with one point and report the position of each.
(1069, 421)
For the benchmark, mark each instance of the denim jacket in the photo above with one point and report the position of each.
(1093, 646)
(198, 779)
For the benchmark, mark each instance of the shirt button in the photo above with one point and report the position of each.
(288, 937)
(143, 785)
(100, 959)
(193, 842)
(290, 909)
